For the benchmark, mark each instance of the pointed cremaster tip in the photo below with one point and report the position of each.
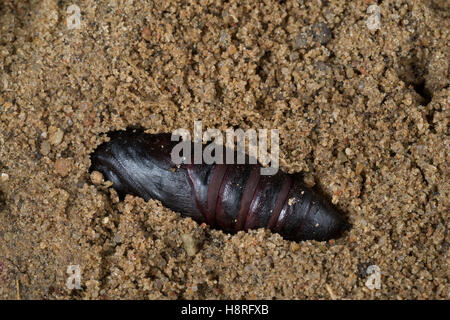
(322, 223)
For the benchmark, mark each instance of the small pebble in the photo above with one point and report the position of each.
(420, 126)
(45, 148)
(189, 244)
(56, 135)
(96, 177)
(301, 41)
(308, 179)
(294, 246)
(348, 151)
(146, 34)
(321, 33)
(62, 166)
(4, 177)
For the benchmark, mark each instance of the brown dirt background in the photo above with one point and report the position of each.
(362, 114)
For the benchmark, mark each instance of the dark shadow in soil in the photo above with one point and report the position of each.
(413, 75)
(420, 88)
(2, 201)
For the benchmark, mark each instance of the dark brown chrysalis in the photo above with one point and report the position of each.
(230, 197)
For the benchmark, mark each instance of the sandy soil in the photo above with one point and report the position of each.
(362, 114)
